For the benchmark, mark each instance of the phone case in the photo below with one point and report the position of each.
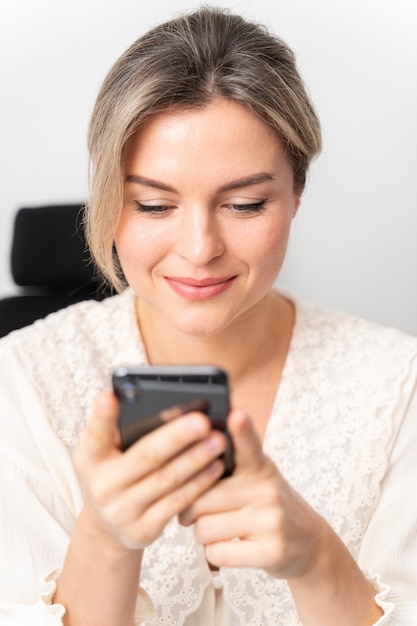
(152, 395)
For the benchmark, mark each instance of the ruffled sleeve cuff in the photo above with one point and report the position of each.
(145, 612)
(50, 589)
(40, 613)
(397, 611)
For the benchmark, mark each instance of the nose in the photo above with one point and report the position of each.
(199, 238)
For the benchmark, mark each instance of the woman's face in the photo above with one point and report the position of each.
(209, 199)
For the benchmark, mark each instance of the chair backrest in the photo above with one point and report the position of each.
(49, 248)
(50, 264)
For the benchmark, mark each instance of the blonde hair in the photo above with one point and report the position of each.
(185, 63)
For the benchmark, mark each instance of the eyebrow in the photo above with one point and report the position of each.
(247, 181)
(147, 182)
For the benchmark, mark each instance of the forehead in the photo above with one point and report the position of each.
(223, 133)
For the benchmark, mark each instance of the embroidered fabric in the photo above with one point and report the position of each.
(330, 434)
(73, 355)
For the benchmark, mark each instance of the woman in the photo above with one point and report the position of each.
(200, 143)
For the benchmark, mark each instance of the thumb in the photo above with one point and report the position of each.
(101, 434)
(247, 447)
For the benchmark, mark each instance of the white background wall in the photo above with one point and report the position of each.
(354, 241)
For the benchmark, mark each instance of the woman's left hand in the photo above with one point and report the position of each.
(254, 518)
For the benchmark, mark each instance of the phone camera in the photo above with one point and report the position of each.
(130, 391)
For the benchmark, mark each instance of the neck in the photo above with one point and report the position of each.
(260, 336)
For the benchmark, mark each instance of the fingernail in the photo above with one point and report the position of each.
(196, 425)
(217, 467)
(213, 443)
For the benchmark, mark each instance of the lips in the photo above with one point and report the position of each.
(204, 289)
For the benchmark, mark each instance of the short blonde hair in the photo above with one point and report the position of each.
(186, 63)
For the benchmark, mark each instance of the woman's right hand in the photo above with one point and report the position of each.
(130, 496)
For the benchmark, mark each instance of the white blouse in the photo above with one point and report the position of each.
(343, 431)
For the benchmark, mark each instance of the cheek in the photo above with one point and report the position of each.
(137, 244)
(268, 244)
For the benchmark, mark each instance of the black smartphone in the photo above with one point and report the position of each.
(152, 395)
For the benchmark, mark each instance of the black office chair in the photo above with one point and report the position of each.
(50, 264)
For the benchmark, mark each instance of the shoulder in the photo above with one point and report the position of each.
(348, 386)
(349, 360)
(82, 324)
(344, 334)
(66, 358)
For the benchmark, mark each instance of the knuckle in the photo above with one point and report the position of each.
(203, 529)
(149, 526)
(168, 478)
(268, 494)
(98, 490)
(150, 456)
(275, 555)
(113, 512)
(181, 499)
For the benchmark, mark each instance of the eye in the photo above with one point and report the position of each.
(252, 207)
(154, 209)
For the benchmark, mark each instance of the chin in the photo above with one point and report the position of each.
(201, 325)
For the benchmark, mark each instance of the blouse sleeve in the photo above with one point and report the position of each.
(389, 548)
(40, 500)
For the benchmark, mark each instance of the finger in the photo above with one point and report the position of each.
(100, 436)
(245, 522)
(246, 444)
(254, 479)
(157, 448)
(133, 501)
(223, 527)
(227, 495)
(152, 452)
(154, 519)
(183, 468)
(244, 553)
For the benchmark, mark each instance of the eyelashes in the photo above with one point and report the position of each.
(254, 207)
(162, 209)
(152, 208)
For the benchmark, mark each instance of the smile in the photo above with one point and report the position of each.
(193, 289)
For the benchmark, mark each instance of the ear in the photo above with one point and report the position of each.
(297, 202)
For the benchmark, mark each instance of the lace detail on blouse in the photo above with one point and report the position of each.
(175, 574)
(330, 433)
(73, 352)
